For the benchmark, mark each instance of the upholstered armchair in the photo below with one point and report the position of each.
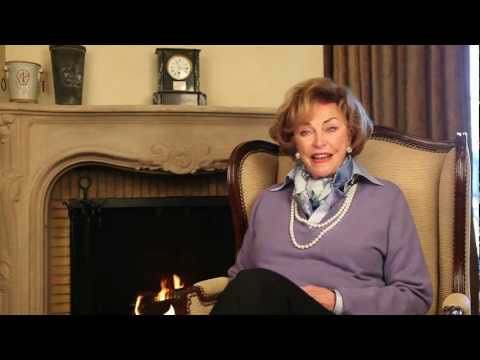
(435, 179)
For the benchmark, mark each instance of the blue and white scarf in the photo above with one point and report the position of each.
(316, 196)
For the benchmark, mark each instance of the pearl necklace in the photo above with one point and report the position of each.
(334, 220)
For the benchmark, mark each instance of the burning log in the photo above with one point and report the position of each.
(148, 305)
(167, 301)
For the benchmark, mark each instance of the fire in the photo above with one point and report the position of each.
(170, 311)
(177, 282)
(137, 305)
(167, 286)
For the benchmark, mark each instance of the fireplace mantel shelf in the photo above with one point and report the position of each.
(136, 109)
(39, 143)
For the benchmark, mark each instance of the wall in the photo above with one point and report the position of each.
(230, 75)
(3, 94)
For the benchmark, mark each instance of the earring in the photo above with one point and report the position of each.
(297, 155)
(349, 150)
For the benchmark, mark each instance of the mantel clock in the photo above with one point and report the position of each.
(179, 77)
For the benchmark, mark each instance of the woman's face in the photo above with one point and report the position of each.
(323, 142)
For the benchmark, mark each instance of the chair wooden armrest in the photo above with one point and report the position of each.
(456, 304)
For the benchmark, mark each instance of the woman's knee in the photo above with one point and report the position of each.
(258, 275)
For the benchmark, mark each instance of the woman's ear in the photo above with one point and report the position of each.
(350, 137)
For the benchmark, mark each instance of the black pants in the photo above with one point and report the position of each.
(264, 292)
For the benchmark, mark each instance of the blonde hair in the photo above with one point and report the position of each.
(298, 104)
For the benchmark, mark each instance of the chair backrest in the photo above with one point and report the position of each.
(434, 177)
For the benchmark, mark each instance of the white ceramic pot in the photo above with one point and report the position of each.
(22, 79)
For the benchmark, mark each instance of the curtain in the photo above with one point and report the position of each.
(420, 90)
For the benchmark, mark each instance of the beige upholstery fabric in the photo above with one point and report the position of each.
(258, 171)
(417, 173)
(210, 289)
(446, 229)
(198, 307)
(285, 164)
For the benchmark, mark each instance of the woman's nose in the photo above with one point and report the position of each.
(318, 140)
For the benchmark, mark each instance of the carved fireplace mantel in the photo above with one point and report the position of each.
(39, 143)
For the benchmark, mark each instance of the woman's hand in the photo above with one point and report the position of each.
(324, 296)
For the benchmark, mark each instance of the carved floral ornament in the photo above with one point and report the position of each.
(11, 184)
(6, 120)
(182, 159)
(4, 270)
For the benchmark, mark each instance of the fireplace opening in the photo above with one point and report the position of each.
(121, 248)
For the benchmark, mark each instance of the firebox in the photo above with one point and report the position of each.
(121, 248)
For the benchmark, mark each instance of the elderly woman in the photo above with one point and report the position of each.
(331, 239)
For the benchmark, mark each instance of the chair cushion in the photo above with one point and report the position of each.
(258, 172)
(397, 163)
(446, 227)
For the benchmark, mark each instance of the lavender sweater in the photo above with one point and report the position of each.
(372, 257)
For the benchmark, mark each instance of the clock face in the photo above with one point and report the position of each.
(179, 67)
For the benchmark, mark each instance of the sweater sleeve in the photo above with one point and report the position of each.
(408, 287)
(244, 256)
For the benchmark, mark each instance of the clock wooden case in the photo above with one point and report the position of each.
(179, 77)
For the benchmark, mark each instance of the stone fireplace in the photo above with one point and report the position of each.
(128, 231)
(132, 152)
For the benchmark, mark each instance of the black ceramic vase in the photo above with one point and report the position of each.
(67, 67)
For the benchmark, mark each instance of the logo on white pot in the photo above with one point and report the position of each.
(23, 77)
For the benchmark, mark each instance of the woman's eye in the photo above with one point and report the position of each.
(332, 129)
(304, 132)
